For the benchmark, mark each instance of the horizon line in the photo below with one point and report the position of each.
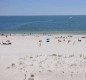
(46, 15)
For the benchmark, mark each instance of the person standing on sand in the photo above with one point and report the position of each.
(6, 35)
(40, 43)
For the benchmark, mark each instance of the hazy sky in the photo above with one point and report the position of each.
(42, 7)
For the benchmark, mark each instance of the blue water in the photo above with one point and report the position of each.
(40, 24)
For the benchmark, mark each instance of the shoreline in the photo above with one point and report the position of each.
(42, 34)
(46, 32)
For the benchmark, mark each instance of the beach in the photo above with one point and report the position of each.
(43, 57)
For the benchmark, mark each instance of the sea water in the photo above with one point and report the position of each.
(43, 24)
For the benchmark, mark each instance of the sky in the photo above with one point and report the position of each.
(42, 7)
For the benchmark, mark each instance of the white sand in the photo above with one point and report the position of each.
(28, 59)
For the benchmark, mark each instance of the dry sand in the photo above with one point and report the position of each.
(32, 58)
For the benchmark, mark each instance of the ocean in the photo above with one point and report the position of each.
(43, 24)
